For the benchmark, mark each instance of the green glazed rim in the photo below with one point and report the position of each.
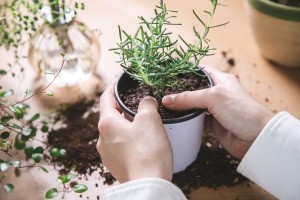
(276, 9)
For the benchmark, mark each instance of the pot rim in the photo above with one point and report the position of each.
(290, 13)
(192, 115)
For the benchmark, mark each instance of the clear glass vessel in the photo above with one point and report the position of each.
(79, 44)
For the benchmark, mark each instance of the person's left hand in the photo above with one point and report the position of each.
(133, 150)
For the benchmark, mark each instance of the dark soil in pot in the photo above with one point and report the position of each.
(294, 3)
(132, 92)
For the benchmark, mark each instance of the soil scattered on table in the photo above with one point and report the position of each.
(79, 138)
(213, 168)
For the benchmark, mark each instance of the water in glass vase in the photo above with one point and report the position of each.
(78, 43)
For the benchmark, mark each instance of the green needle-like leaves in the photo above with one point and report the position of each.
(153, 58)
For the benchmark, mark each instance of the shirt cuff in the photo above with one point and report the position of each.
(144, 189)
(273, 160)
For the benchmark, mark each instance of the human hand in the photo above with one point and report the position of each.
(237, 117)
(133, 150)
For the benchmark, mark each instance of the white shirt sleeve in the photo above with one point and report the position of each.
(144, 189)
(273, 160)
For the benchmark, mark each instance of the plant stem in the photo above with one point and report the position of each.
(55, 10)
(43, 89)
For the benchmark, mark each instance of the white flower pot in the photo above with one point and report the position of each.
(185, 133)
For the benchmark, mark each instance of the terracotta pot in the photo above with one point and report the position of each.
(185, 133)
(276, 28)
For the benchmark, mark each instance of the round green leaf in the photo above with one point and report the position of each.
(3, 166)
(39, 150)
(45, 128)
(26, 131)
(2, 72)
(8, 187)
(51, 193)
(19, 144)
(35, 117)
(49, 93)
(62, 152)
(18, 111)
(36, 157)
(6, 119)
(5, 135)
(16, 126)
(28, 151)
(80, 188)
(55, 152)
(17, 163)
(6, 93)
(4, 144)
(63, 179)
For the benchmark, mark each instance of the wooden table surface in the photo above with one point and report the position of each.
(277, 88)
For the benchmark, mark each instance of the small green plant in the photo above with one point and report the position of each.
(20, 19)
(64, 179)
(153, 58)
(18, 130)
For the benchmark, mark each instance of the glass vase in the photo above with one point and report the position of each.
(72, 38)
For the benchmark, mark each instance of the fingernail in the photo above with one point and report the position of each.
(169, 99)
(149, 99)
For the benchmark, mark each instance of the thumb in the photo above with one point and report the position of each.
(187, 100)
(147, 107)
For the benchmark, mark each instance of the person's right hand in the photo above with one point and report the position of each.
(137, 149)
(237, 117)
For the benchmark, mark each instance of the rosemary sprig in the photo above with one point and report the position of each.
(153, 58)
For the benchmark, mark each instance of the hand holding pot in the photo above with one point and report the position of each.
(237, 117)
(133, 150)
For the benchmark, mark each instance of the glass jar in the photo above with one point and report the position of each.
(71, 37)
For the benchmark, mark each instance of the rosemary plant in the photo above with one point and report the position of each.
(153, 58)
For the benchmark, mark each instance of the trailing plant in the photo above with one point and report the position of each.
(19, 21)
(17, 131)
(151, 57)
(77, 188)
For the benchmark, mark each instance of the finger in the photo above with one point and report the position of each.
(110, 111)
(148, 104)
(108, 101)
(187, 100)
(98, 144)
(147, 107)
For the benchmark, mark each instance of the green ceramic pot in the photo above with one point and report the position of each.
(276, 28)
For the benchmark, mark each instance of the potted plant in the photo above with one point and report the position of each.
(155, 65)
(276, 29)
